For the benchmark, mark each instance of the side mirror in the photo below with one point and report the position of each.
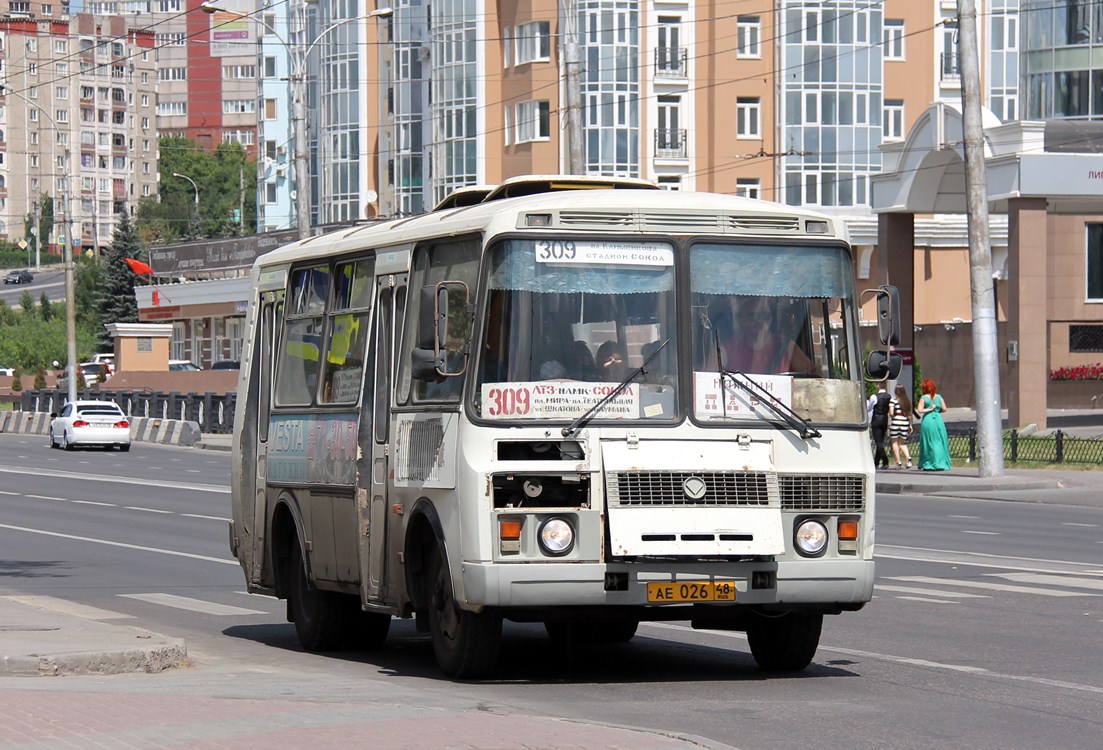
(888, 315)
(883, 366)
(429, 359)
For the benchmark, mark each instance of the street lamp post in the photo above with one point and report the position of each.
(67, 253)
(195, 189)
(298, 53)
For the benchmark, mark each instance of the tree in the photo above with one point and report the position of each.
(26, 301)
(46, 307)
(40, 378)
(17, 379)
(116, 293)
(45, 219)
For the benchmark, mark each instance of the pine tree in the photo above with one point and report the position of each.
(117, 302)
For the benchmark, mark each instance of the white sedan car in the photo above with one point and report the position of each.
(90, 423)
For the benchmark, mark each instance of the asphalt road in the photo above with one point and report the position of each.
(49, 280)
(986, 630)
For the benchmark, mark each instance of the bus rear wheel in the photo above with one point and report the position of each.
(785, 643)
(466, 643)
(322, 618)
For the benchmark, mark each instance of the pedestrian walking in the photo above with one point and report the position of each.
(900, 425)
(934, 443)
(878, 408)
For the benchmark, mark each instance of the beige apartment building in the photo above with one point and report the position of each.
(78, 115)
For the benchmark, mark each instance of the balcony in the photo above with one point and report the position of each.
(670, 62)
(670, 143)
(951, 66)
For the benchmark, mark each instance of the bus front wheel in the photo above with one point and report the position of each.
(465, 643)
(785, 643)
(321, 617)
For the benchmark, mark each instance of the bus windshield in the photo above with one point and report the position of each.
(568, 320)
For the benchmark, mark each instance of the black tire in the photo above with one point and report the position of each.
(125, 447)
(466, 644)
(322, 618)
(785, 643)
(65, 442)
(370, 631)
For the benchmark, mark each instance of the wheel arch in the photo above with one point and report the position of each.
(423, 530)
(287, 529)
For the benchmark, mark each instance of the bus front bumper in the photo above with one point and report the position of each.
(814, 582)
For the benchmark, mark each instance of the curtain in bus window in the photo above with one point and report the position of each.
(771, 271)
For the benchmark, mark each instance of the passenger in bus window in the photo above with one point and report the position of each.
(754, 345)
(611, 362)
(581, 365)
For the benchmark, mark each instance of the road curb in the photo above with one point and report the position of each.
(148, 659)
(142, 429)
(929, 488)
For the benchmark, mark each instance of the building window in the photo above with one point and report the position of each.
(270, 193)
(811, 26)
(748, 187)
(507, 47)
(269, 109)
(532, 121)
(749, 37)
(1095, 263)
(748, 112)
(238, 106)
(892, 127)
(893, 38)
(533, 42)
(1083, 339)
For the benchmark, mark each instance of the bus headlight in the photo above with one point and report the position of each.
(811, 537)
(556, 537)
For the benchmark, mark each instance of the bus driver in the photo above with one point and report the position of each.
(754, 345)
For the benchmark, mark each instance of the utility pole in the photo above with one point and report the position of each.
(241, 198)
(986, 373)
(297, 49)
(70, 284)
(572, 64)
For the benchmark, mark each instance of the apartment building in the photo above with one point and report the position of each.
(78, 115)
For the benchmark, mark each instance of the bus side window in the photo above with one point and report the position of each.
(348, 332)
(298, 364)
(453, 260)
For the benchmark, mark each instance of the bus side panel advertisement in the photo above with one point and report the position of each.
(312, 449)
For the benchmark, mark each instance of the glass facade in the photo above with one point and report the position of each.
(408, 103)
(455, 53)
(337, 150)
(1003, 61)
(610, 31)
(831, 105)
(1062, 60)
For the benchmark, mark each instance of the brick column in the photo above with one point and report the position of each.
(1027, 311)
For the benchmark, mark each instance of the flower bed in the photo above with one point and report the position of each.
(1078, 372)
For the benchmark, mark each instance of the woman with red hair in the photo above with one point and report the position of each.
(934, 444)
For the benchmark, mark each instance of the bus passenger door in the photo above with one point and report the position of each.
(391, 300)
(267, 341)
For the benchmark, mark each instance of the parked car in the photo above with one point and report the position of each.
(182, 364)
(104, 358)
(7, 372)
(19, 277)
(90, 423)
(227, 364)
(94, 372)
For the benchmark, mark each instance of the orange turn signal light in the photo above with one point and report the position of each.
(848, 528)
(509, 528)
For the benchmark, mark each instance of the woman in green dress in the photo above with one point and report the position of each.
(934, 444)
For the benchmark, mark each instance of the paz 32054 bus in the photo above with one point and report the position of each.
(579, 402)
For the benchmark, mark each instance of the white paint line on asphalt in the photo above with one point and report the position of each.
(147, 510)
(968, 518)
(981, 533)
(193, 605)
(979, 671)
(5, 492)
(93, 502)
(144, 481)
(136, 547)
(1083, 525)
(927, 600)
(1044, 580)
(205, 518)
(987, 586)
(928, 592)
(48, 497)
(69, 608)
(981, 559)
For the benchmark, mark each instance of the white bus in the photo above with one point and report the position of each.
(552, 402)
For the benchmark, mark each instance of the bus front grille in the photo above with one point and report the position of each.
(695, 489)
(826, 493)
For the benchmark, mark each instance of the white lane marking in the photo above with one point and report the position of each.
(137, 547)
(68, 608)
(1083, 525)
(47, 497)
(927, 600)
(986, 585)
(93, 502)
(193, 605)
(114, 479)
(1044, 580)
(979, 671)
(981, 559)
(5, 492)
(968, 518)
(205, 518)
(928, 592)
(146, 510)
(984, 533)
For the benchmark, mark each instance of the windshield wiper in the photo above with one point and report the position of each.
(584, 419)
(796, 422)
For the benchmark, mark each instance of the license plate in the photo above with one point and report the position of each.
(679, 592)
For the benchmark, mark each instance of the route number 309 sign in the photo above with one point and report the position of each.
(556, 400)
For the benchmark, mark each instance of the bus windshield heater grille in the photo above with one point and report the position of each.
(822, 492)
(660, 488)
(765, 223)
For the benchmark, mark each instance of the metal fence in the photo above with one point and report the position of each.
(1057, 448)
(213, 411)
